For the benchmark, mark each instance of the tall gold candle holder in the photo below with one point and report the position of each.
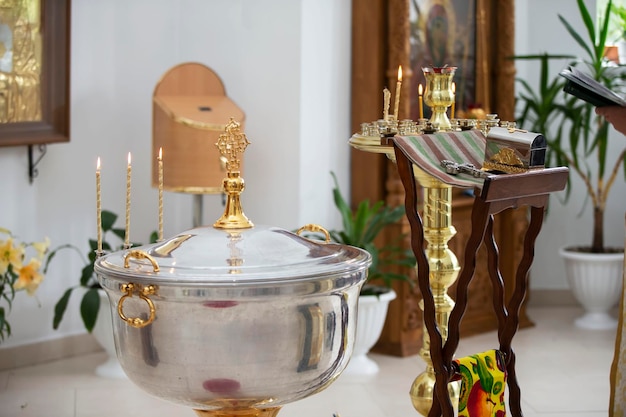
(439, 94)
(443, 266)
(438, 230)
(437, 219)
(444, 270)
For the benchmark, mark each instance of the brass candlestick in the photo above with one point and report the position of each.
(444, 269)
(443, 266)
(439, 94)
(437, 221)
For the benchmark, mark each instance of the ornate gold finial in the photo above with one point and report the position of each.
(232, 143)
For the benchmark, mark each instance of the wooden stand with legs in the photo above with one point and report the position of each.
(498, 193)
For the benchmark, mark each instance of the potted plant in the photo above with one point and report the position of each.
(96, 320)
(575, 137)
(361, 228)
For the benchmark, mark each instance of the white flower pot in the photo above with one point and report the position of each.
(371, 315)
(103, 332)
(596, 281)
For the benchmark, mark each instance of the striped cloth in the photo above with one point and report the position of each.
(427, 152)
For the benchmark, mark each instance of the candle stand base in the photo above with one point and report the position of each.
(240, 412)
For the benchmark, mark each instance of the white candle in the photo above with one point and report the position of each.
(396, 107)
(386, 101)
(98, 207)
(453, 100)
(420, 100)
(127, 235)
(160, 159)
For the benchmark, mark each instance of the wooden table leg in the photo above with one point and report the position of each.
(498, 193)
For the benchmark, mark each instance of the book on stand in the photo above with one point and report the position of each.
(586, 88)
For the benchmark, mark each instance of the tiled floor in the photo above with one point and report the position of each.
(563, 371)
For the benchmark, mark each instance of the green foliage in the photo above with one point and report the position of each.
(361, 228)
(619, 12)
(573, 131)
(90, 302)
(541, 109)
(7, 293)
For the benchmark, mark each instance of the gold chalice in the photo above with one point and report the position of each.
(439, 94)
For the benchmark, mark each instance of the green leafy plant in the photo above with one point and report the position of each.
(90, 303)
(361, 227)
(574, 133)
(541, 108)
(619, 13)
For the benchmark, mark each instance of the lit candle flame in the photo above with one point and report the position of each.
(400, 73)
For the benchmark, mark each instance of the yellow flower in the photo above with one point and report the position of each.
(10, 255)
(41, 247)
(29, 277)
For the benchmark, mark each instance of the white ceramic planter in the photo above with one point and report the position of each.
(596, 281)
(371, 317)
(103, 332)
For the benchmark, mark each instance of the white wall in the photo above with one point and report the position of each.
(286, 63)
(538, 30)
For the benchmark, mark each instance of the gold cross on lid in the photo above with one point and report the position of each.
(232, 144)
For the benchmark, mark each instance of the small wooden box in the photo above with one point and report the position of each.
(513, 150)
(190, 111)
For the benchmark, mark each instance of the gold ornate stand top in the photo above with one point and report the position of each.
(232, 144)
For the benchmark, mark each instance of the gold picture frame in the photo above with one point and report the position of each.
(52, 122)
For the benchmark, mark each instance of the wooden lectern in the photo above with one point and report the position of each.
(497, 193)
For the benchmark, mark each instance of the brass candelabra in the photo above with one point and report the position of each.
(444, 270)
(443, 264)
(437, 212)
